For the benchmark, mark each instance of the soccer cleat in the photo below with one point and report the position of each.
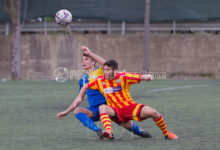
(108, 135)
(145, 134)
(99, 133)
(171, 135)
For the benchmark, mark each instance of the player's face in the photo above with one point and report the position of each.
(87, 63)
(109, 73)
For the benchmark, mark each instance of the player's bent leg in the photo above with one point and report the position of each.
(127, 124)
(83, 110)
(84, 115)
(148, 112)
(133, 127)
(105, 111)
(162, 125)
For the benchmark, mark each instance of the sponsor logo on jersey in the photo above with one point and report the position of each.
(112, 90)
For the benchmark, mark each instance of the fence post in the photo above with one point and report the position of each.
(109, 27)
(147, 36)
(45, 25)
(174, 27)
(7, 29)
(123, 28)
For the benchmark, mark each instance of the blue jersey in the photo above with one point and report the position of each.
(95, 98)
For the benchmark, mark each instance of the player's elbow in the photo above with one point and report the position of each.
(102, 62)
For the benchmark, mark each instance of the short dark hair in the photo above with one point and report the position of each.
(111, 63)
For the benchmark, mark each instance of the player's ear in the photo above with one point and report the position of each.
(93, 61)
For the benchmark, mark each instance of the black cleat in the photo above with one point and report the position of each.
(145, 134)
(99, 133)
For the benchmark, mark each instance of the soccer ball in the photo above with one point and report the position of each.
(63, 17)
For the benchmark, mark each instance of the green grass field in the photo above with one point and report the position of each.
(191, 109)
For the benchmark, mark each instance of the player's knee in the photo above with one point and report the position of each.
(155, 114)
(77, 110)
(103, 108)
(128, 125)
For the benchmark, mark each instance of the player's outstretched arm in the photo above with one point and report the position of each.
(147, 77)
(96, 57)
(83, 91)
(77, 101)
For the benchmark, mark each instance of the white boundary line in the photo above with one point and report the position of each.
(180, 87)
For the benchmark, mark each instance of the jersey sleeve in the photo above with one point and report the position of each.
(92, 85)
(133, 78)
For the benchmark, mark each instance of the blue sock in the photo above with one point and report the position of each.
(87, 121)
(135, 129)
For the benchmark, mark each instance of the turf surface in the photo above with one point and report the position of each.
(191, 109)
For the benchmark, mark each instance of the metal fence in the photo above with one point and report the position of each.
(113, 27)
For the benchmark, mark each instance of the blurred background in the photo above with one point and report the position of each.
(178, 37)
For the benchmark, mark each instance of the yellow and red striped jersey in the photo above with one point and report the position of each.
(116, 91)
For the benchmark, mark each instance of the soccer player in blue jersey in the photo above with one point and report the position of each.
(88, 115)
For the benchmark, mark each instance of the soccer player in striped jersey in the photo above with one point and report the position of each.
(88, 115)
(120, 106)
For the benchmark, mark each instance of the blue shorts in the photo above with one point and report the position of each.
(95, 112)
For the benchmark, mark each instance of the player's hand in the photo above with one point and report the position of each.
(149, 77)
(62, 114)
(85, 50)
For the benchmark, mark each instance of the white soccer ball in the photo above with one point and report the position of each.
(63, 17)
